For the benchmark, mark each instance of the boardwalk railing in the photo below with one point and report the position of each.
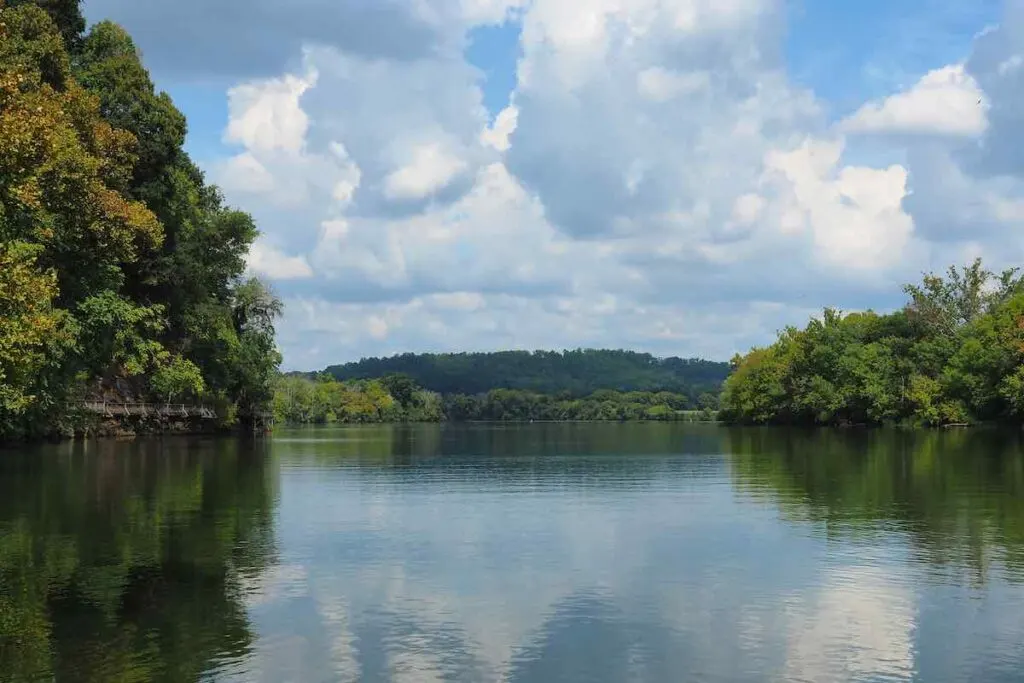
(113, 409)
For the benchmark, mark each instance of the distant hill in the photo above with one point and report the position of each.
(579, 372)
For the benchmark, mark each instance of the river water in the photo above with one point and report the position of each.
(548, 552)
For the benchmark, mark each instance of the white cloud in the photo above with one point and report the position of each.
(488, 11)
(272, 263)
(430, 168)
(499, 133)
(854, 215)
(245, 173)
(349, 177)
(655, 157)
(748, 208)
(660, 85)
(267, 116)
(946, 101)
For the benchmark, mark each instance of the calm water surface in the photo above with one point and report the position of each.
(529, 553)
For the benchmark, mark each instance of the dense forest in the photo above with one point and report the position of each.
(577, 373)
(121, 269)
(397, 398)
(953, 354)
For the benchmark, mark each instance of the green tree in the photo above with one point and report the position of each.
(255, 359)
(401, 387)
(104, 216)
(953, 354)
(573, 373)
(33, 334)
(61, 163)
(177, 377)
(65, 14)
(944, 305)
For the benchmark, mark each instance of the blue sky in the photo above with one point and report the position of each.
(848, 52)
(679, 176)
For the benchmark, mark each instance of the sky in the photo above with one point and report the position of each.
(684, 177)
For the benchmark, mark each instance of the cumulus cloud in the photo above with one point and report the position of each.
(853, 215)
(656, 180)
(430, 168)
(662, 85)
(267, 116)
(267, 261)
(945, 101)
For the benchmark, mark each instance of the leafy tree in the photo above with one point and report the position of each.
(401, 387)
(105, 218)
(33, 334)
(108, 65)
(944, 305)
(302, 400)
(573, 373)
(256, 358)
(60, 165)
(177, 377)
(954, 354)
(118, 336)
(65, 14)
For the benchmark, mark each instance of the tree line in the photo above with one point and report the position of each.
(579, 373)
(122, 271)
(299, 399)
(953, 354)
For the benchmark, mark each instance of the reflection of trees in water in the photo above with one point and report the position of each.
(121, 561)
(956, 496)
(515, 453)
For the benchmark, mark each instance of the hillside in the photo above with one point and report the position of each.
(120, 266)
(579, 372)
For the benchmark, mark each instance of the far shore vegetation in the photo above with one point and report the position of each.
(123, 279)
(586, 384)
(952, 355)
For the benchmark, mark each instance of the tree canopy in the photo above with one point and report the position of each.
(118, 259)
(578, 373)
(397, 398)
(953, 354)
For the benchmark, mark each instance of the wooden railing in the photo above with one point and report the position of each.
(116, 408)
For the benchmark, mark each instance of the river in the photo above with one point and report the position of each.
(531, 553)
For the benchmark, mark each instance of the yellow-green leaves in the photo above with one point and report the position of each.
(177, 377)
(60, 160)
(112, 243)
(29, 324)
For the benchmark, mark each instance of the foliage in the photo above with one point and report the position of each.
(177, 377)
(122, 261)
(116, 332)
(580, 372)
(65, 14)
(953, 354)
(299, 400)
(603, 405)
(396, 398)
(31, 330)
